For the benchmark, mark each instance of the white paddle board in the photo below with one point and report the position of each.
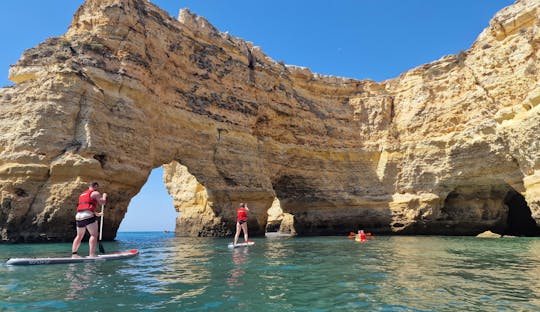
(105, 257)
(249, 243)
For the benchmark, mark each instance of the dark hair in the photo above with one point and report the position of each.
(93, 184)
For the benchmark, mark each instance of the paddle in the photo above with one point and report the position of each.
(101, 249)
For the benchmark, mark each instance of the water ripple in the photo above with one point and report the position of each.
(299, 274)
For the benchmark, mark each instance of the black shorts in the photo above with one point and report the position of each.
(241, 222)
(85, 222)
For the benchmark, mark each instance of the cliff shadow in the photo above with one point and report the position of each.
(318, 210)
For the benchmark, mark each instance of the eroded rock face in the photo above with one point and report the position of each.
(440, 149)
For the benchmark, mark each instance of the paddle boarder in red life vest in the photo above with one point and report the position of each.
(241, 222)
(86, 218)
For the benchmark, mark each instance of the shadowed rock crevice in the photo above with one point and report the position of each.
(520, 221)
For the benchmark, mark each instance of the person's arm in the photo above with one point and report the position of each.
(101, 199)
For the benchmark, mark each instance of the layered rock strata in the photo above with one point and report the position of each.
(449, 147)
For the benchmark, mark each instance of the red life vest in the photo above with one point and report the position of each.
(86, 202)
(241, 214)
(363, 237)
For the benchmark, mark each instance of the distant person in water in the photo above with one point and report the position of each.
(241, 222)
(361, 236)
(86, 218)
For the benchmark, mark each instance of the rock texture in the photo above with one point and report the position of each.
(488, 234)
(449, 147)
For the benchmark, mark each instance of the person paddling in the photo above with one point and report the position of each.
(86, 218)
(241, 222)
(361, 237)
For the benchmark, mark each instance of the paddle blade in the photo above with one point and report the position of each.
(101, 249)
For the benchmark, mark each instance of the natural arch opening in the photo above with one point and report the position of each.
(520, 221)
(279, 223)
(152, 209)
(198, 213)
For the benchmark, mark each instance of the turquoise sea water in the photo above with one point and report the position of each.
(296, 274)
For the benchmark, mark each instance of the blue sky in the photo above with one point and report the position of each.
(363, 39)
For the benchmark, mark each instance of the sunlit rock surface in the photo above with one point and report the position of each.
(450, 147)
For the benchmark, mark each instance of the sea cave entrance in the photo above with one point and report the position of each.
(152, 209)
(471, 209)
(519, 221)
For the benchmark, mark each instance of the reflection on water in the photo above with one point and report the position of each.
(458, 273)
(177, 268)
(79, 278)
(297, 274)
(534, 254)
(239, 257)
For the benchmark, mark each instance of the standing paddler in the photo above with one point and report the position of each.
(241, 222)
(86, 218)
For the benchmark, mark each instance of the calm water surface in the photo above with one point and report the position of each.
(297, 274)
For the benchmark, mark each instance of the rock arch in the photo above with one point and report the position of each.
(129, 88)
(203, 212)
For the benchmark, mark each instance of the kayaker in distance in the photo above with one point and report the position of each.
(361, 236)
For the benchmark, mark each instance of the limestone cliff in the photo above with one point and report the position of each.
(449, 147)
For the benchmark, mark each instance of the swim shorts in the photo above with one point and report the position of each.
(85, 222)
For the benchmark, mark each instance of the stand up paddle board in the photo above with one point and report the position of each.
(105, 257)
(249, 243)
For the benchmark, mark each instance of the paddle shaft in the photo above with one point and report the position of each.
(101, 223)
(101, 249)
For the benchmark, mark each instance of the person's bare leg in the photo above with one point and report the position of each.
(238, 228)
(77, 240)
(245, 229)
(93, 230)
